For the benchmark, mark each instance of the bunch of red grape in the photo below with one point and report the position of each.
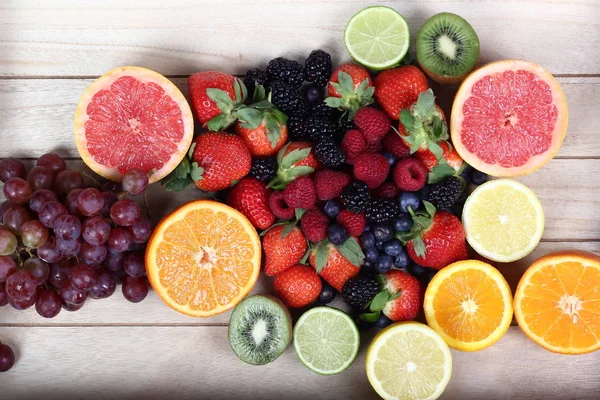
(61, 242)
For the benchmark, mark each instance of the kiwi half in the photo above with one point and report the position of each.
(447, 48)
(260, 329)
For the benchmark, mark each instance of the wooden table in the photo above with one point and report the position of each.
(51, 50)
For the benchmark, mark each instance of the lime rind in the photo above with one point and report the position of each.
(377, 37)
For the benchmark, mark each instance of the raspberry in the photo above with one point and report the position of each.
(371, 168)
(374, 147)
(314, 225)
(278, 206)
(354, 223)
(410, 175)
(300, 193)
(353, 145)
(373, 123)
(329, 184)
(387, 190)
(393, 143)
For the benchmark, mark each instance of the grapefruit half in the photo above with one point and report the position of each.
(509, 118)
(133, 117)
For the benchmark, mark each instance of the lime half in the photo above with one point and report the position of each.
(377, 37)
(326, 340)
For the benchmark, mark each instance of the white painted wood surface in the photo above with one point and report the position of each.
(51, 50)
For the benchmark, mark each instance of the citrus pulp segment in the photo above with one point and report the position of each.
(133, 117)
(557, 302)
(509, 118)
(377, 37)
(203, 258)
(503, 220)
(409, 360)
(326, 340)
(469, 303)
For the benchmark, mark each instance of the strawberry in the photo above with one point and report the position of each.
(350, 88)
(297, 286)
(294, 159)
(398, 88)
(436, 239)
(300, 193)
(450, 163)
(371, 168)
(353, 144)
(264, 135)
(408, 304)
(374, 124)
(284, 246)
(215, 98)
(354, 223)
(314, 225)
(329, 184)
(393, 143)
(249, 196)
(335, 268)
(220, 158)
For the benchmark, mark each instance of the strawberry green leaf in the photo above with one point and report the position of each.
(407, 119)
(250, 117)
(364, 85)
(334, 102)
(380, 279)
(396, 294)
(300, 171)
(380, 300)
(294, 156)
(435, 148)
(419, 246)
(183, 169)
(439, 129)
(219, 122)
(281, 153)
(346, 82)
(287, 230)
(299, 213)
(368, 95)
(191, 150)
(196, 171)
(352, 252)
(263, 105)
(322, 255)
(430, 208)
(273, 130)
(279, 116)
(177, 184)
(260, 94)
(305, 257)
(221, 99)
(439, 172)
(370, 316)
(425, 105)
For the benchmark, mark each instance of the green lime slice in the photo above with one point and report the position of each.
(326, 340)
(377, 37)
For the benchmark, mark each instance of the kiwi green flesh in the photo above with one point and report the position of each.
(447, 45)
(260, 329)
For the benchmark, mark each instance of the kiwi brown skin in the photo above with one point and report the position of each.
(445, 79)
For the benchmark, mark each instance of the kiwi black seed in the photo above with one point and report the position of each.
(260, 329)
(447, 48)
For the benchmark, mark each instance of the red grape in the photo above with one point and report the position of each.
(38, 268)
(48, 303)
(5, 205)
(3, 294)
(67, 227)
(34, 233)
(119, 275)
(50, 211)
(124, 212)
(7, 267)
(59, 273)
(72, 307)
(8, 242)
(83, 276)
(53, 162)
(104, 287)
(135, 289)
(11, 168)
(22, 304)
(71, 295)
(119, 239)
(41, 197)
(135, 265)
(95, 230)
(48, 251)
(71, 201)
(40, 178)
(7, 358)
(14, 217)
(21, 285)
(93, 255)
(66, 181)
(135, 181)
(109, 199)
(68, 248)
(114, 262)
(90, 202)
(141, 229)
(17, 190)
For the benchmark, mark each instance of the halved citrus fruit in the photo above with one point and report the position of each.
(509, 118)
(203, 259)
(469, 303)
(133, 117)
(557, 302)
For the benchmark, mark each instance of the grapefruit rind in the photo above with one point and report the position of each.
(146, 76)
(179, 215)
(587, 259)
(535, 162)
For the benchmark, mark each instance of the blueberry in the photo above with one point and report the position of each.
(401, 261)
(384, 263)
(409, 199)
(379, 245)
(337, 234)
(383, 231)
(371, 255)
(363, 325)
(418, 271)
(478, 177)
(467, 173)
(367, 228)
(403, 223)
(367, 239)
(332, 208)
(383, 321)
(327, 294)
(313, 94)
(368, 266)
(392, 247)
(390, 158)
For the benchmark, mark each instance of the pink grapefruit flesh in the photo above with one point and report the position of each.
(133, 117)
(509, 118)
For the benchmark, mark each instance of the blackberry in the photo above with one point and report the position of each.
(287, 99)
(381, 210)
(264, 169)
(296, 128)
(329, 153)
(318, 128)
(322, 110)
(355, 196)
(359, 291)
(288, 71)
(444, 194)
(254, 77)
(318, 67)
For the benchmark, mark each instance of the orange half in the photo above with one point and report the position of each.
(557, 302)
(203, 259)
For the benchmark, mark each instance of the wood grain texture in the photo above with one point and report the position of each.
(182, 36)
(37, 115)
(197, 363)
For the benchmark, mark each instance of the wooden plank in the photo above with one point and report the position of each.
(37, 115)
(78, 38)
(197, 362)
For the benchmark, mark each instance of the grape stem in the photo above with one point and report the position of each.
(18, 252)
(147, 206)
